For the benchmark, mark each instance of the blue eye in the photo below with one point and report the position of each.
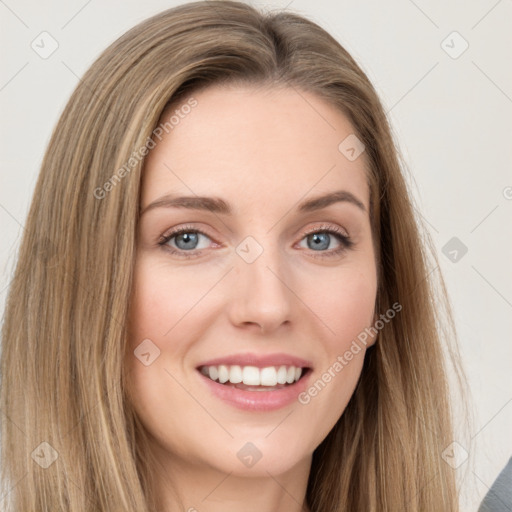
(186, 241)
(319, 240)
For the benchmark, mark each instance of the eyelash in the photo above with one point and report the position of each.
(345, 241)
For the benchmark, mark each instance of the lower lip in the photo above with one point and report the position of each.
(257, 400)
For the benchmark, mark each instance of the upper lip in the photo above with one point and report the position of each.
(258, 360)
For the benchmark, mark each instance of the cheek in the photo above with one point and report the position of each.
(163, 298)
(346, 306)
(158, 308)
(161, 311)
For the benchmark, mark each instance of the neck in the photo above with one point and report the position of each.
(182, 486)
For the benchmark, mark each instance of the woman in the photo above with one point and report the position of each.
(222, 300)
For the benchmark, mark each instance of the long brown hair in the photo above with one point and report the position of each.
(70, 440)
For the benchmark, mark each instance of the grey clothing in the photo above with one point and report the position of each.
(499, 496)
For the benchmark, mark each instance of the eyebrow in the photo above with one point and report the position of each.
(218, 205)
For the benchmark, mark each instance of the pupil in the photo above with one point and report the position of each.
(188, 239)
(319, 243)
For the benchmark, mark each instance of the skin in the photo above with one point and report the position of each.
(263, 150)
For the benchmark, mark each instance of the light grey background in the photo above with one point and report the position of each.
(451, 116)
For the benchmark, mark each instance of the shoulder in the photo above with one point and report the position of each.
(499, 496)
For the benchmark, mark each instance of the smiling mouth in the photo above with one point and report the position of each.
(252, 378)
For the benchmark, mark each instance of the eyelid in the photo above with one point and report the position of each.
(326, 227)
(181, 229)
(345, 240)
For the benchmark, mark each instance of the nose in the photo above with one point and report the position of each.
(260, 294)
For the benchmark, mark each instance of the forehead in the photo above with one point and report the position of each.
(253, 144)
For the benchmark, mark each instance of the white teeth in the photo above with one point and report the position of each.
(268, 376)
(281, 375)
(235, 374)
(253, 376)
(213, 372)
(223, 374)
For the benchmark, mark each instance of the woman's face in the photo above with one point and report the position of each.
(260, 286)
